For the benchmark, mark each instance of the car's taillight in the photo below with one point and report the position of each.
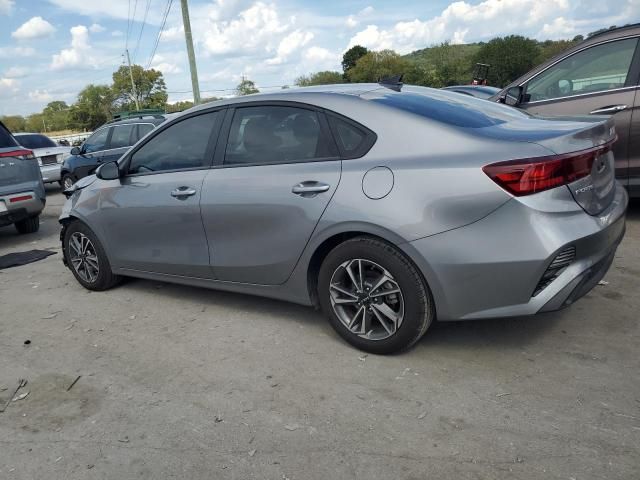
(532, 175)
(23, 153)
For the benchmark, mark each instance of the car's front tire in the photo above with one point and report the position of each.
(28, 225)
(86, 258)
(374, 296)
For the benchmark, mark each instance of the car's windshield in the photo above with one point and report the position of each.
(35, 141)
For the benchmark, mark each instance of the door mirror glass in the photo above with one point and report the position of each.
(513, 96)
(75, 151)
(108, 171)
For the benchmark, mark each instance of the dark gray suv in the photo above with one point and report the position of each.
(599, 76)
(22, 194)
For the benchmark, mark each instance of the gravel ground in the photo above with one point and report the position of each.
(180, 382)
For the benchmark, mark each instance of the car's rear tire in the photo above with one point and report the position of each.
(28, 225)
(374, 296)
(86, 258)
(67, 181)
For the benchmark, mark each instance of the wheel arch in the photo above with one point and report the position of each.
(329, 241)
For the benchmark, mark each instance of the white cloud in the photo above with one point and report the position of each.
(40, 95)
(16, 72)
(21, 52)
(35, 27)
(254, 29)
(463, 21)
(96, 28)
(172, 34)
(80, 53)
(117, 33)
(6, 6)
(289, 44)
(167, 68)
(8, 82)
(355, 20)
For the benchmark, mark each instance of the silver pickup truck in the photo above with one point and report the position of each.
(22, 194)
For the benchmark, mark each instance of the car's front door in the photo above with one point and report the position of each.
(92, 152)
(278, 170)
(122, 137)
(151, 217)
(597, 80)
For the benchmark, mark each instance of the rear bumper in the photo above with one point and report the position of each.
(19, 209)
(491, 268)
(50, 173)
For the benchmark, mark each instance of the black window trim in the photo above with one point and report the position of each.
(209, 151)
(370, 137)
(226, 129)
(631, 83)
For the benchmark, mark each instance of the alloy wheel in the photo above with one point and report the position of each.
(83, 257)
(67, 182)
(367, 299)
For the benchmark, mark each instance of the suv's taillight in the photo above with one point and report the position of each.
(532, 175)
(23, 154)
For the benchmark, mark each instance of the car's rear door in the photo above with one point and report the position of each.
(275, 173)
(601, 80)
(151, 217)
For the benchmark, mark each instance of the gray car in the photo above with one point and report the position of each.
(22, 194)
(388, 209)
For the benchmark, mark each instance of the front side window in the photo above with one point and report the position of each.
(121, 136)
(143, 129)
(97, 141)
(596, 69)
(183, 145)
(275, 134)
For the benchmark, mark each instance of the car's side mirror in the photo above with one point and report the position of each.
(108, 171)
(513, 96)
(76, 151)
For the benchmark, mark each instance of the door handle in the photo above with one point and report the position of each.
(183, 192)
(609, 110)
(310, 188)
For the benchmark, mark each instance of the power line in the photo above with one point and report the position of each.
(144, 21)
(126, 41)
(164, 21)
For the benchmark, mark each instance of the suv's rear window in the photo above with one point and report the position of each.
(6, 139)
(35, 141)
(447, 107)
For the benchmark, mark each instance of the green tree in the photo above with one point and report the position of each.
(509, 58)
(56, 115)
(151, 91)
(178, 106)
(376, 65)
(15, 123)
(35, 123)
(351, 57)
(551, 48)
(246, 87)
(326, 77)
(93, 107)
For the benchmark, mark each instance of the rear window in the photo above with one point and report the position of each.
(6, 139)
(447, 107)
(35, 141)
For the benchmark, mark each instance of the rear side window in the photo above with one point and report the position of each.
(182, 145)
(275, 134)
(143, 129)
(353, 139)
(121, 136)
(6, 139)
(35, 141)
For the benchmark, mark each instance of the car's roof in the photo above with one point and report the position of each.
(155, 119)
(19, 134)
(474, 88)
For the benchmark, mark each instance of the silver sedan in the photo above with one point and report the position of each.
(387, 206)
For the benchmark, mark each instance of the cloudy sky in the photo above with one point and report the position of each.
(50, 49)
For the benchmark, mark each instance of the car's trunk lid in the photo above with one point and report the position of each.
(567, 137)
(15, 169)
(593, 138)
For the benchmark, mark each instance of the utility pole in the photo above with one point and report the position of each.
(133, 85)
(192, 58)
